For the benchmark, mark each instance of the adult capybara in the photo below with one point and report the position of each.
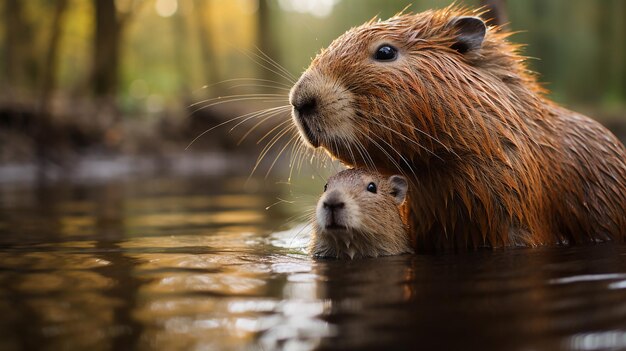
(447, 101)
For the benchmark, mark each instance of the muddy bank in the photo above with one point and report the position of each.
(27, 136)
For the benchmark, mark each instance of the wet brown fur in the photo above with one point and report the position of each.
(495, 163)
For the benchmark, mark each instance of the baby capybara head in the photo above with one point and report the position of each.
(358, 216)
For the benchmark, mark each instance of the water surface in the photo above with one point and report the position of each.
(197, 263)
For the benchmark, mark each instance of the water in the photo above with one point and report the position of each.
(197, 263)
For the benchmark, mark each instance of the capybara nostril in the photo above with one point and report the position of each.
(334, 205)
(306, 106)
(333, 200)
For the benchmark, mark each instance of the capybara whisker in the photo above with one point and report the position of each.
(277, 65)
(270, 144)
(291, 140)
(276, 71)
(262, 80)
(250, 85)
(244, 116)
(256, 125)
(236, 98)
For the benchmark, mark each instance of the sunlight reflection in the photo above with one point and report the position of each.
(165, 220)
(255, 306)
(83, 320)
(248, 6)
(618, 285)
(195, 202)
(77, 225)
(297, 333)
(588, 278)
(317, 8)
(212, 240)
(219, 283)
(296, 238)
(60, 280)
(187, 261)
(166, 8)
(235, 321)
(608, 340)
(51, 260)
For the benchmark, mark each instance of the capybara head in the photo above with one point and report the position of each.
(406, 91)
(358, 216)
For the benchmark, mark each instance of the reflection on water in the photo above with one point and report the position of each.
(200, 264)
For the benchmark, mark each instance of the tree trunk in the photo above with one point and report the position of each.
(48, 80)
(211, 72)
(106, 49)
(264, 39)
(13, 29)
(180, 50)
(615, 48)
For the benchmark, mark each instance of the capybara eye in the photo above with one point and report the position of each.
(386, 53)
(325, 187)
(371, 187)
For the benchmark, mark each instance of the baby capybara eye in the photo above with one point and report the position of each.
(371, 187)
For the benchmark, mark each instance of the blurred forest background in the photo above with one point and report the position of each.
(124, 76)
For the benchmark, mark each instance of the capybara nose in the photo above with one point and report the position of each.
(333, 202)
(306, 106)
(334, 205)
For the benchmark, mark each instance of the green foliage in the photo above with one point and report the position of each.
(580, 45)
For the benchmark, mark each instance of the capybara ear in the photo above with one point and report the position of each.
(470, 33)
(399, 187)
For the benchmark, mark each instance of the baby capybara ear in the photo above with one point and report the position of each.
(470, 33)
(399, 188)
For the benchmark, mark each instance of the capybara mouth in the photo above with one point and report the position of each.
(333, 224)
(336, 227)
(308, 132)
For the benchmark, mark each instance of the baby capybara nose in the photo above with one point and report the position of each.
(333, 201)
(331, 206)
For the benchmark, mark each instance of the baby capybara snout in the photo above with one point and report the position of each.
(358, 216)
(332, 213)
